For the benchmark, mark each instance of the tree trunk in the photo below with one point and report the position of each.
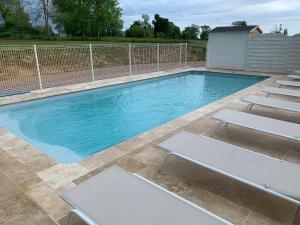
(46, 14)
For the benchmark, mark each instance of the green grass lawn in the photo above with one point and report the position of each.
(106, 40)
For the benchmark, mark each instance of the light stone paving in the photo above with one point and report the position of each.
(31, 181)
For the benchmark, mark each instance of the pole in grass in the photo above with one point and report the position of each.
(38, 67)
(92, 63)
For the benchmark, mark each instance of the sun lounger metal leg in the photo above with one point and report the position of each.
(164, 161)
(70, 216)
(250, 106)
(81, 215)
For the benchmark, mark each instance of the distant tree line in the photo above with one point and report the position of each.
(163, 28)
(83, 18)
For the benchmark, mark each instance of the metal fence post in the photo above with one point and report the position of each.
(157, 57)
(92, 63)
(180, 52)
(129, 56)
(37, 67)
(185, 60)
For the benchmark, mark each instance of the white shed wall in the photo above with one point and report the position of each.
(227, 50)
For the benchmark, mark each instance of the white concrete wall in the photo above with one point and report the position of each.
(227, 50)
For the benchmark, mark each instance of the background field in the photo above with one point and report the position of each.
(57, 41)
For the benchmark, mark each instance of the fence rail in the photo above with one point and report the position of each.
(26, 68)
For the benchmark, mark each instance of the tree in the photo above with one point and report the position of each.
(45, 6)
(173, 31)
(140, 28)
(277, 29)
(41, 11)
(72, 16)
(191, 32)
(136, 30)
(280, 30)
(147, 26)
(239, 23)
(106, 17)
(13, 16)
(88, 17)
(164, 28)
(160, 24)
(204, 32)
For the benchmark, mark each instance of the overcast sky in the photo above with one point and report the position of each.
(266, 13)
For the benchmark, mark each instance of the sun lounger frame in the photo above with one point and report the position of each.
(265, 188)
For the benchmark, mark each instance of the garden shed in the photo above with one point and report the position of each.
(227, 46)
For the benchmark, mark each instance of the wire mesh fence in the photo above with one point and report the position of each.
(26, 68)
(110, 61)
(196, 55)
(62, 65)
(17, 69)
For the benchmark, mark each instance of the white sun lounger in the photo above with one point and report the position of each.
(293, 76)
(288, 83)
(297, 72)
(272, 102)
(117, 197)
(277, 177)
(281, 91)
(259, 123)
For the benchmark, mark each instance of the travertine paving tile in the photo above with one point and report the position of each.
(102, 158)
(257, 219)
(220, 206)
(62, 174)
(261, 202)
(296, 219)
(151, 156)
(130, 164)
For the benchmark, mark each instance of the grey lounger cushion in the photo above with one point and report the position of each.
(260, 123)
(246, 166)
(293, 76)
(272, 102)
(282, 91)
(288, 83)
(117, 197)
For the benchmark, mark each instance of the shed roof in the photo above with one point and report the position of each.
(235, 29)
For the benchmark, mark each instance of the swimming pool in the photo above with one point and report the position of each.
(74, 126)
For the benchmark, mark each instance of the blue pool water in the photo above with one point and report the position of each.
(73, 126)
